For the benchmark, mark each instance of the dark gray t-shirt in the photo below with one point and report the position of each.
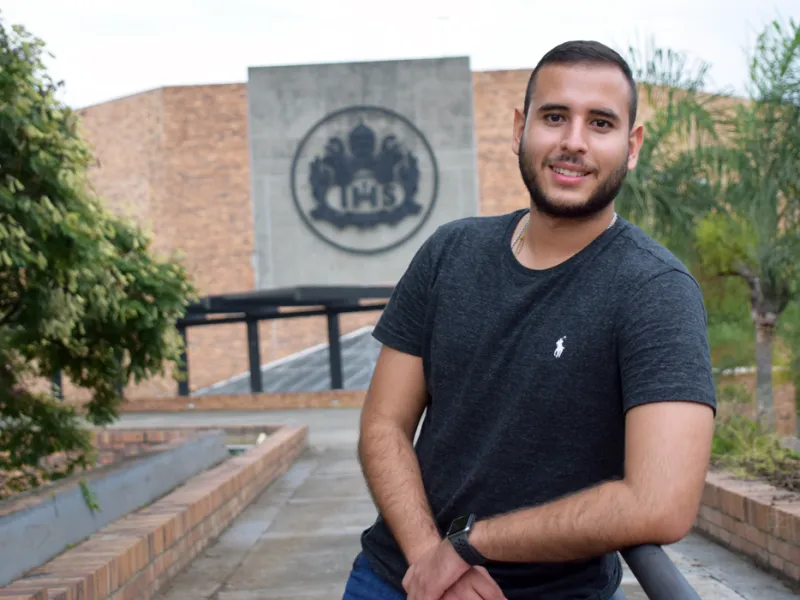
(529, 376)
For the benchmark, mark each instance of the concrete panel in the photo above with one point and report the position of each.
(312, 566)
(354, 165)
(339, 516)
(33, 535)
(333, 486)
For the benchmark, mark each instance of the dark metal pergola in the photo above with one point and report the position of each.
(262, 305)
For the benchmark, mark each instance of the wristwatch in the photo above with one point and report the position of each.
(458, 534)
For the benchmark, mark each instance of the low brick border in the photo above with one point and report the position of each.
(755, 519)
(137, 555)
(286, 401)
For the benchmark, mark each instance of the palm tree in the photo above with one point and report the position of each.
(719, 181)
(666, 191)
(753, 233)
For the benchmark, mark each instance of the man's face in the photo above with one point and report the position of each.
(576, 146)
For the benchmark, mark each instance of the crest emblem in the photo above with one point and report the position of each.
(364, 179)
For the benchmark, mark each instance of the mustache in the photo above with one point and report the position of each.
(578, 162)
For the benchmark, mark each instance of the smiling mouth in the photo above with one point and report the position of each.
(569, 172)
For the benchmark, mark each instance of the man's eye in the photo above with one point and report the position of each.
(602, 123)
(552, 118)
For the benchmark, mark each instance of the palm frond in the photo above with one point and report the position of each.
(775, 64)
(668, 187)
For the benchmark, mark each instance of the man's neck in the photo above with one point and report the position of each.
(550, 241)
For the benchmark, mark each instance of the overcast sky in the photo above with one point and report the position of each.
(105, 49)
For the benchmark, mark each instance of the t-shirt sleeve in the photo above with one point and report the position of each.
(663, 344)
(401, 324)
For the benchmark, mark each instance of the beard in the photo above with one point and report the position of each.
(599, 200)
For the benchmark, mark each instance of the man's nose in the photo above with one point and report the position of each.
(574, 140)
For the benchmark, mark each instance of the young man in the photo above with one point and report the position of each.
(563, 360)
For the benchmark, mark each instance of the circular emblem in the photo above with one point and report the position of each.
(364, 179)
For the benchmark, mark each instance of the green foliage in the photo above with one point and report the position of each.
(718, 182)
(755, 174)
(666, 190)
(790, 332)
(724, 242)
(774, 64)
(743, 448)
(89, 497)
(732, 345)
(81, 291)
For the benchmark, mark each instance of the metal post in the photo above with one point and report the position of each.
(335, 349)
(120, 386)
(58, 385)
(183, 368)
(254, 352)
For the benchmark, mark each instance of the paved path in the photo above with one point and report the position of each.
(298, 539)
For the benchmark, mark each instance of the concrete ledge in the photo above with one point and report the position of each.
(755, 519)
(137, 554)
(248, 402)
(36, 526)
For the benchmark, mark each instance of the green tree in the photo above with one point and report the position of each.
(718, 181)
(81, 292)
(753, 233)
(666, 191)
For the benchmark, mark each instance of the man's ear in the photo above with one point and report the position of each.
(634, 145)
(519, 130)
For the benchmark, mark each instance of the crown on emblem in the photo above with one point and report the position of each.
(362, 141)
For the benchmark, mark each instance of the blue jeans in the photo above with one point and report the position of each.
(365, 584)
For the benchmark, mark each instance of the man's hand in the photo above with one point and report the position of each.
(441, 574)
(475, 584)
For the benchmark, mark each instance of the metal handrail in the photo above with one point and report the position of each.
(658, 576)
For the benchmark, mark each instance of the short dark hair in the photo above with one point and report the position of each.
(587, 52)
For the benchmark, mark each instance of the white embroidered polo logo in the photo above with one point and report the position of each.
(559, 347)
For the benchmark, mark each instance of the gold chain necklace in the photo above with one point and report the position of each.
(517, 244)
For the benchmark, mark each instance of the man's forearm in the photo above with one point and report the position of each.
(592, 522)
(393, 476)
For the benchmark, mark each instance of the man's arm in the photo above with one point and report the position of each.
(668, 396)
(667, 451)
(394, 404)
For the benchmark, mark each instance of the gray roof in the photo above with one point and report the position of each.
(308, 370)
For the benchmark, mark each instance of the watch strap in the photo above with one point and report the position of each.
(465, 550)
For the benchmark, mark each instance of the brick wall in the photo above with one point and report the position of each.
(206, 213)
(497, 94)
(113, 445)
(248, 402)
(136, 555)
(755, 519)
(126, 136)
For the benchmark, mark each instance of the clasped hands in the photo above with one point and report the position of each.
(441, 574)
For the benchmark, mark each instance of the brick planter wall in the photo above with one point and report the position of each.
(292, 400)
(36, 526)
(133, 557)
(115, 444)
(755, 519)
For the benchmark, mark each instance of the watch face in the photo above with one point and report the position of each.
(459, 524)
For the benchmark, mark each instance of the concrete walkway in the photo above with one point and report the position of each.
(298, 540)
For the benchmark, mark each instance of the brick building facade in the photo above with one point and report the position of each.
(177, 160)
